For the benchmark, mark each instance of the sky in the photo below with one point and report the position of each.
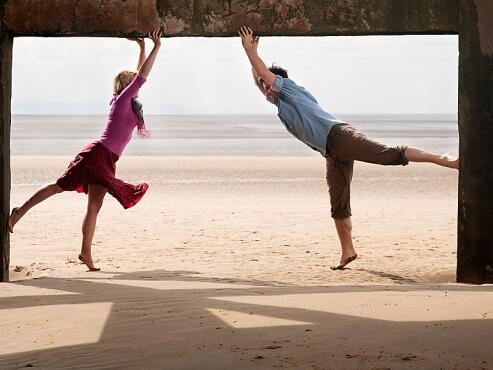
(370, 74)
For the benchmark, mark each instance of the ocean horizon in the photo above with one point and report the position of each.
(223, 135)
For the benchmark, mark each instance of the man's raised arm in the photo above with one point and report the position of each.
(256, 80)
(250, 44)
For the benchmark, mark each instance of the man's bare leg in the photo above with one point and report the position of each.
(418, 155)
(344, 229)
(95, 198)
(40, 195)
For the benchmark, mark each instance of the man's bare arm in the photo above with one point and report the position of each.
(256, 79)
(250, 44)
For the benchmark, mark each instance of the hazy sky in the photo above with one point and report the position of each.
(377, 74)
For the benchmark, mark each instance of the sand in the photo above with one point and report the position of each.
(225, 264)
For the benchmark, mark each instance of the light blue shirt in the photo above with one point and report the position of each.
(301, 114)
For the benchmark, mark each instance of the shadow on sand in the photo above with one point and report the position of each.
(181, 320)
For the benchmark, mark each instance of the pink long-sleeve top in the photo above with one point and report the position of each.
(122, 120)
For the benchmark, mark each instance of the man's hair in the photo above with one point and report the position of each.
(279, 71)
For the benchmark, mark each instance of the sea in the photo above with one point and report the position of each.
(223, 135)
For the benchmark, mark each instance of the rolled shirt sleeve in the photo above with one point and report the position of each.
(285, 87)
(277, 87)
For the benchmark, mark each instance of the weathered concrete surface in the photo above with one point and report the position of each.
(224, 17)
(475, 219)
(5, 94)
(319, 17)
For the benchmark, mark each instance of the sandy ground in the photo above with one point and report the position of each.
(225, 264)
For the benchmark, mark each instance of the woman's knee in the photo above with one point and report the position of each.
(55, 188)
(95, 205)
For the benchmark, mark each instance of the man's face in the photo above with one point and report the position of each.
(267, 90)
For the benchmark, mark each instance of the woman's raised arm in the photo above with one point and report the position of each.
(155, 36)
(142, 52)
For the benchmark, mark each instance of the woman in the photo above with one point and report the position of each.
(93, 169)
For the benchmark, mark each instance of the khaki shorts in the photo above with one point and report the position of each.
(345, 145)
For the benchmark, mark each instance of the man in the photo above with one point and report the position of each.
(336, 140)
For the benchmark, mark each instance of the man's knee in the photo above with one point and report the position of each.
(340, 213)
(340, 204)
(391, 156)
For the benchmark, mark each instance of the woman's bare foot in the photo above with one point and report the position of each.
(87, 260)
(13, 218)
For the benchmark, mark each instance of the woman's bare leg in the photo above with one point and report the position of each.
(42, 194)
(418, 155)
(95, 198)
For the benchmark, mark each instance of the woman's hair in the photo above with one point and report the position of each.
(121, 81)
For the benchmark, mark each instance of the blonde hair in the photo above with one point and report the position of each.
(121, 81)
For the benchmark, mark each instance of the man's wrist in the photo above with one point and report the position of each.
(251, 52)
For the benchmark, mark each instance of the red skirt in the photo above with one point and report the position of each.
(95, 164)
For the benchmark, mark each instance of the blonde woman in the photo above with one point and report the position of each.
(93, 170)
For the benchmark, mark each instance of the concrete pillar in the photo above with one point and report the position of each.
(475, 218)
(6, 43)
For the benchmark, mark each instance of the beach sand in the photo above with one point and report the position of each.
(225, 264)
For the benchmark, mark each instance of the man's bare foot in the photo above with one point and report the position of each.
(450, 161)
(13, 218)
(344, 262)
(87, 260)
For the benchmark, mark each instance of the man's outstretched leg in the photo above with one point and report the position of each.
(344, 227)
(419, 155)
(350, 144)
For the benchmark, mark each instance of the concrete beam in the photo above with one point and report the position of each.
(5, 94)
(475, 219)
(224, 17)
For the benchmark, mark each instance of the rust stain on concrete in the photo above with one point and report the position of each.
(292, 16)
(137, 15)
(70, 16)
(34, 15)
